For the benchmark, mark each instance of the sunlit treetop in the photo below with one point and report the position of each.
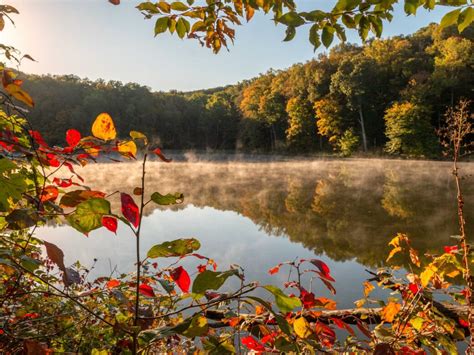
(213, 23)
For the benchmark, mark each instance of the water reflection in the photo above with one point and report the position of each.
(258, 214)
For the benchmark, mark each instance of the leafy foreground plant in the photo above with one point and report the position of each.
(47, 306)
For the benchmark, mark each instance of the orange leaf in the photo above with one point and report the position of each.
(49, 193)
(112, 284)
(390, 311)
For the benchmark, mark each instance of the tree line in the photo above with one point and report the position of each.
(388, 95)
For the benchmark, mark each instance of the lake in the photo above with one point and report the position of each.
(257, 214)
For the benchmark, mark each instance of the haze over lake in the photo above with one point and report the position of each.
(257, 214)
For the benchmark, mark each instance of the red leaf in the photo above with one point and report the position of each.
(201, 268)
(110, 223)
(49, 193)
(62, 182)
(130, 209)
(158, 152)
(112, 284)
(274, 270)
(307, 298)
(414, 288)
(115, 2)
(252, 344)
(31, 315)
(463, 323)
(146, 290)
(52, 160)
(73, 137)
(323, 268)
(451, 249)
(181, 277)
(269, 338)
(342, 325)
(38, 138)
(328, 335)
(71, 169)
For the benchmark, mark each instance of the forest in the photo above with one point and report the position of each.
(387, 96)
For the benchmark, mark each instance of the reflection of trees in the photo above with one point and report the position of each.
(346, 210)
(394, 196)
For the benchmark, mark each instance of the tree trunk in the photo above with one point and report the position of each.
(273, 135)
(362, 127)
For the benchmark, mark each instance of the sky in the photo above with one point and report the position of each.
(95, 39)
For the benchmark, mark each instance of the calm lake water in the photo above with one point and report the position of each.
(257, 214)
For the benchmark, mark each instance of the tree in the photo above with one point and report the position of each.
(213, 24)
(409, 130)
(356, 79)
(301, 132)
(262, 103)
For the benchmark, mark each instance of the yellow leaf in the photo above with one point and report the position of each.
(139, 135)
(390, 311)
(359, 303)
(127, 149)
(368, 287)
(393, 252)
(19, 94)
(301, 327)
(99, 352)
(90, 149)
(103, 127)
(395, 242)
(427, 274)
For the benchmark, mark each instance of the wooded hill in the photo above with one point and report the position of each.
(389, 95)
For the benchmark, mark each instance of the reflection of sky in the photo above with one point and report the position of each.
(227, 237)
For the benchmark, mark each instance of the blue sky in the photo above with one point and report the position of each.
(94, 39)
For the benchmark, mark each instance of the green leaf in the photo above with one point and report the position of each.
(340, 32)
(348, 21)
(281, 321)
(168, 199)
(73, 198)
(314, 16)
(411, 6)
(220, 346)
(148, 7)
(181, 28)
(172, 25)
(450, 18)
(291, 19)
(29, 263)
(12, 184)
(161, 25)
(465, 19)
(285, 303)
(345, 5)
(179, 6)
(377, 26)
(314, 36)
(364, 26)
(328, 35)
(178, 247)
(22, 218)
(88, 215)
(211, 280)
(290, 33)
(198, 327)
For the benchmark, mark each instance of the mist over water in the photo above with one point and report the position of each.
(259, 213)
